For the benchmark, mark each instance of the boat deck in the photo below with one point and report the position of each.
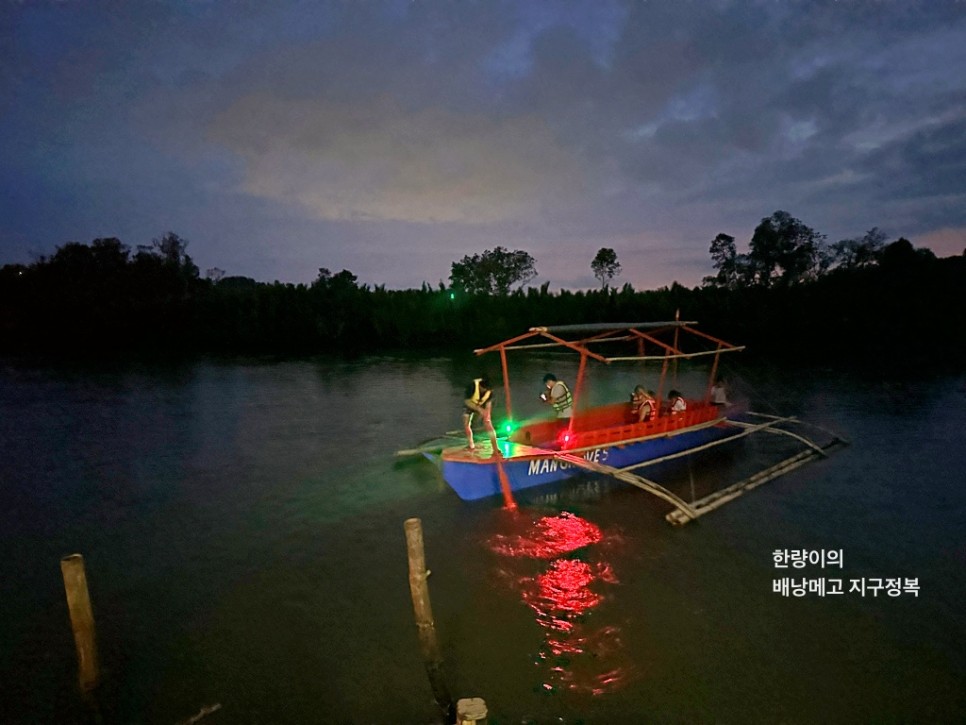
(604, 426)
(512, 451)
(609, 424)
(483, 453)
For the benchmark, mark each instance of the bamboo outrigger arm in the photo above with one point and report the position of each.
(720, 498)
(685, 512)
(832, 433)
(683, 508)
(748, 430)
(781, 431)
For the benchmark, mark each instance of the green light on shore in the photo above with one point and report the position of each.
(452, 295)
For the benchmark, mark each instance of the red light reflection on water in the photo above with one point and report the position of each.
(551, 536)
(562, 593)
(562, 597)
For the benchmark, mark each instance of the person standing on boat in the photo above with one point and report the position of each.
(719, 395)
(643, 405)
(558, 395)
(676, 402)
(478, 401)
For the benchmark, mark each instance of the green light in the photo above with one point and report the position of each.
(452, 295)
(508, 427)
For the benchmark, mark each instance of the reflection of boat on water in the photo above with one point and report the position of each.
(606, 439)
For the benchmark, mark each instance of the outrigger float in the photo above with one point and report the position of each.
(605, 439)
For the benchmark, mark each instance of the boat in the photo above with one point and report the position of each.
(605, 439)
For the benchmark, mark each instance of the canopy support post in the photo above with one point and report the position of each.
(660, 385)
(677, 339)
(714, 373)
(579, 387)
(506, 383)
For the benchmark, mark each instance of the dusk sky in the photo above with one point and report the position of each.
(392, 138)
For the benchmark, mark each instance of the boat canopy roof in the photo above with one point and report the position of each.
(618, 341)
(608, 326)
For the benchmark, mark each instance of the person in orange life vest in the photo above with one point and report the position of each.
(478, 401)
(643, 405)
(676, 402)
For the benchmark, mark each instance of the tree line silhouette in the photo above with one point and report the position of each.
(789, 296)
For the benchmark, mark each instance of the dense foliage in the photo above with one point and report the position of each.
(605, 265)
(493, 272)
(789, 296)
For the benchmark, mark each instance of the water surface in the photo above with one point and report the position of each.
(242, 526)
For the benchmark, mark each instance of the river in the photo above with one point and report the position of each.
(242, 529)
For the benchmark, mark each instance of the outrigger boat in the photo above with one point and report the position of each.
(605, 439)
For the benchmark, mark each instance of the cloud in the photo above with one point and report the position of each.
(394, 137)
(378, 160)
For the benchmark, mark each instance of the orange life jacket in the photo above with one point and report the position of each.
(639, 401)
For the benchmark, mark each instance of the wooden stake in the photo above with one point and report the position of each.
(81, 620)
(423, 610)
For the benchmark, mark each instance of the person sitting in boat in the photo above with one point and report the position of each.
(478, 401)
(643, 405)
(719, 394)
(558, 395)
(676, 403)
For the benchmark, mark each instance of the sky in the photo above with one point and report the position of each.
(393, 138)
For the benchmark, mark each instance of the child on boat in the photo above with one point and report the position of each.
(676, 402)
(719, 394)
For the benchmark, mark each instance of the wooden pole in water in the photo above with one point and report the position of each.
(81, 620)
(419, 590)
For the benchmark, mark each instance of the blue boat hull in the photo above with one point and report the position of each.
(477, 478)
